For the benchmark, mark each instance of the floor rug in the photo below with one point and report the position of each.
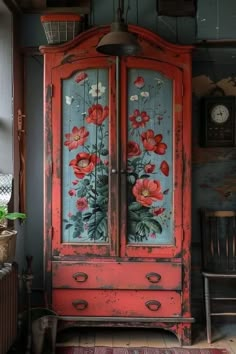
(108, 350)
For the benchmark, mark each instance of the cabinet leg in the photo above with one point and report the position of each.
(184, 333)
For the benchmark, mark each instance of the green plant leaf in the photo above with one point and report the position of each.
(135, 206)
(141, 228)
(97, 228)
(133, 216)
(131, 179)
(68, 226)
(153, 225)
(14, 216)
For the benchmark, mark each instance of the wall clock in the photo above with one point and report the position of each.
(218, 121)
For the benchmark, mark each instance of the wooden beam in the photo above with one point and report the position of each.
(218, 43)
(80, 10)
(41, 6)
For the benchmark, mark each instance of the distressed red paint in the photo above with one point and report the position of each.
(131, 285)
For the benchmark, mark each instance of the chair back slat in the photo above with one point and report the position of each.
(218, 230)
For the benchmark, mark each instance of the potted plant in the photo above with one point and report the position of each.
(7, 234)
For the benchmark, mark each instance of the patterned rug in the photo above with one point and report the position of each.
(107, 350)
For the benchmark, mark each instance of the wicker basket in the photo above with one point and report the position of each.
(7, 245)
(60, 28)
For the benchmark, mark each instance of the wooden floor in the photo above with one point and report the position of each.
(224, 336)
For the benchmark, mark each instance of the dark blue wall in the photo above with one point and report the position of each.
(214, 170)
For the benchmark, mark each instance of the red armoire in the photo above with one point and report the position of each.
(117, 183)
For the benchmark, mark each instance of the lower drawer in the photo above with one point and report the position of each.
(127, 303)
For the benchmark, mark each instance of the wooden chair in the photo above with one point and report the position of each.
(218, 230)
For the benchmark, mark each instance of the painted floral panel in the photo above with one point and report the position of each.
(150, 158)
(85, 157)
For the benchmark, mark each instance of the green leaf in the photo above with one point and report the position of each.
(153, 225)
(135, 206)
(97, 228)
(133, 216)
(132, 227)
(141, 228)
(81, 193)
(87, 216)
(14, 216)
(102, 200)
(104, 152)
(102, 226)
(135, 161)
(68, 226)
(131, 179)
(144, 176)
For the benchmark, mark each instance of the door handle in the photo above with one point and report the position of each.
(80, 304)
(153, 277)
(80, 277)
(153, 305)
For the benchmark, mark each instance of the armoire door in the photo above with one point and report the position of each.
(84, 189)
(117, 170)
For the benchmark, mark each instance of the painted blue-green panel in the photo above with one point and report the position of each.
(150, 159)
(85, 157)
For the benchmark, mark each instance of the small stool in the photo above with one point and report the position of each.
(45, 326)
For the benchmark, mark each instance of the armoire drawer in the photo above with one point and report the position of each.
(125, 303)
(111, 275)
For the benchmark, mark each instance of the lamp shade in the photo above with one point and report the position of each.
(119, 41)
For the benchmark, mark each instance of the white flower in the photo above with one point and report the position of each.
(159, 81)
(97, 90)
(134, 98)
(144, 94)
(69, 100)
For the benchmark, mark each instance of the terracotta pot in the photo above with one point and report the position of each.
(7, 245)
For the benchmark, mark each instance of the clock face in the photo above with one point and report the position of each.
(219, 114)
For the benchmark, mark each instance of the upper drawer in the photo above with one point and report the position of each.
(111, 275)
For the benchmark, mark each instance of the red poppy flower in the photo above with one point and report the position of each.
(139, 82)
(82, 204)
(77, 138)
(72, 192)
(164, 167)
(153, 142)
(147, 191)
(133, 149)
(97, 114)
(149, 168)
(83, 164)
(158, 211)
(81, 78)
(139, 119)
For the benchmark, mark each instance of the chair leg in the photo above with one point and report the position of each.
(207, 308)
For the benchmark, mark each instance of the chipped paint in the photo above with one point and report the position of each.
(142, 284)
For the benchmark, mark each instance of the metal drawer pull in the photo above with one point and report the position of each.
(80, 304)
(153, 277)
(153, 305)
(80, 277)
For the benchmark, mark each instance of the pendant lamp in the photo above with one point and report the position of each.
(119, 41)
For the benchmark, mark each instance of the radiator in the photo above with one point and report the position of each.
(8, 306)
